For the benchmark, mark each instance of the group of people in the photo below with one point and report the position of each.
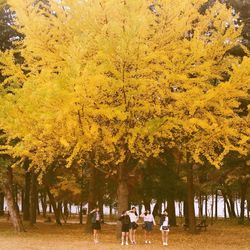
(129, 225)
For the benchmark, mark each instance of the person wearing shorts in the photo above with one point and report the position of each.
(96, 223)
(133, 224)
(164, 227)
(149, 222)
(125, 220)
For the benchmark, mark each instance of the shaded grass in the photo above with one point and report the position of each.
(222, 235)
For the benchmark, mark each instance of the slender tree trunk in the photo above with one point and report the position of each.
(81, 214)
(65, 211)
(216, 204)
(206, 207)
(12, 205)
(190, 199)
(212, 207)
(225, 208)
(200, 206)
(43, 198)
(243, 193)
(56, 210)
(33, 198)
(1, 203)
(171, 211)
(122, 195)
(26, 205)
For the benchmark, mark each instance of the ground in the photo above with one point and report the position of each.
(219, 236)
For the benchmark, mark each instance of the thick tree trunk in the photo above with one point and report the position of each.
(12, 205)
(33, 198)
(26, 205)
(1, 203)
(190, 199)
(171, 211)
(186, 212)
(122, 195)
(232, 209)
(91, 197)
(56, 210)
(81, 214)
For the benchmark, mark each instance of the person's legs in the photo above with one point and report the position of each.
(131, 235)
(166, 237)
(123, 237)
(162, 237)
(134, 236)
(126, 234)
(94, 235)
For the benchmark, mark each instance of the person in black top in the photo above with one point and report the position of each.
(125, 220)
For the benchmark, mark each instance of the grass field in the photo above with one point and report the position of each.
(222, 235)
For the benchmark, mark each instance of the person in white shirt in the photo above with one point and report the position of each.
(164, 228)
(133, 224)
(149, 221)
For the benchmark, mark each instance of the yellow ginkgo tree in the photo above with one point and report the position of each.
(123, 79)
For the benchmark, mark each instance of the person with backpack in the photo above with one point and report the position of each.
(149, 222)
(164, 227)
(133, 224)
(125, 220)
(96, 220)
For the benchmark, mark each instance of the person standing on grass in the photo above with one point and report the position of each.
(149, 222)
(133, 224)
(96, 220)
(164, 227)
(125, 220)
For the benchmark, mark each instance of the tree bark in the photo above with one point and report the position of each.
(56, 210)
(190, 199)
(171, 211)
(243, 193)
(43, 198)
(26, 205)
(12, 205)
(91, 196)
(122, 195)
(216, 204)
(33, 198)
(1, 203)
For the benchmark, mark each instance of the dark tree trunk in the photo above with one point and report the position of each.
(26, 205)
(22, 200)
(216, 204)
(190, 199)
(110, 210)
(212, 207)
(243, 193)
(200, 206)
(147, 204)
(171, 211)
(81, 213)
(91, 196)
(186, 212)
(12, 205)
(1, 203)
(43, 198)
(232, 209)
(33, 198)
(122, 195)
(206, 207)
(65, 211)
(56, 210)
